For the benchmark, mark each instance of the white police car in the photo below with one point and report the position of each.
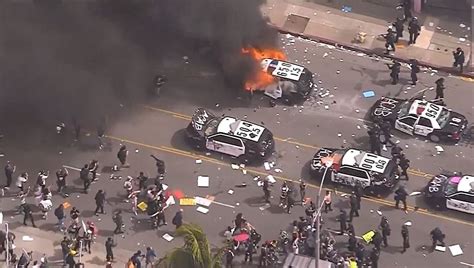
(229, 135)
(454, 192)
(294, 82)
(351, 166)
(420, 117)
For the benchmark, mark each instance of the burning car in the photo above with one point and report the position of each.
(454, 192)
(229, 135)
(279, 79)
(420, 117)
(352, 166)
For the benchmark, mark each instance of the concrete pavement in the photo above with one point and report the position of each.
(330, 25)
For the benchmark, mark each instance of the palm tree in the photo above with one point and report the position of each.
(195, 252)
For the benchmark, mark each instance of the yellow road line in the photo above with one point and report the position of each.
(257, 172)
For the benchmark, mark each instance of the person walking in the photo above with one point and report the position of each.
(385, 227)
(109, 245)
(459, 59)
(354, 209)
(28, 215)
(59, 213)
(117, 218)
(122, 155)
(405, 236)
(302, 191)
(342, 221)
(87, 238)
(10, 169)
(150, 256)
(389, 41)
(414, 30)
(401, 195)
(394, 71)
(84, 175)
(399, 27)
(396, 152)
(404, 164)
(142, 179)
(61, 176)
(352, 243)
(136, 259)
(437, 236)
(374, 142)
(439, 88)
(414, 69)
(178, 219)
(327, 201)
(386, 129)
(93, 167)
(266, 190)
(160, 167)
(359, 193)
(100, 202)
(374, 257)
(377, 240)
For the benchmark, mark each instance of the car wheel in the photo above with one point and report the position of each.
(434, 138)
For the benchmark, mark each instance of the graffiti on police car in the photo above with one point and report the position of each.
(436, 183)
(386, 107)
(200, 119)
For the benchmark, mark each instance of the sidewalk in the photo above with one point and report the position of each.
(330, 25)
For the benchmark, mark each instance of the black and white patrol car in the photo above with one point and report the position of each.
(230, 136)
(294, 82)
(451, 191)
(420, 117)
(349, 166)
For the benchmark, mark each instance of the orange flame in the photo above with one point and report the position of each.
(261, 78)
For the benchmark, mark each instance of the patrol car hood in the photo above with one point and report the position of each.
(436, 187)
(386, 108)
(201, 119)
(456, 123)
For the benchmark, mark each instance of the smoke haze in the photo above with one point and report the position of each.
(83, 59)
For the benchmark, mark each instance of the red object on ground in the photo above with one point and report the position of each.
(241, 237)
(178, 194)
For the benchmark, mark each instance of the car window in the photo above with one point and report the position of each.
(353, 172)
(425, 122)
(443, 118)
(408, 120)
(463, 197)
(227, 140)
(405, 107)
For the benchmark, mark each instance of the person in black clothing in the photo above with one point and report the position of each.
(405, 236)
(374, 142)
(109, 244)
(178, 219)
(343, 221)
(59, 213)
(229, 257)
(350, 229)
(117, 218)
(374, 257)
(266, 190)
(9, 170)
(263, 255)
(136, 259)
(74, 213)
(360, 254)
(354, 208)
(394, 71)
(414, 70)
(61, 176)
(352, 243)
(87, 238)
(142, 179)
(406, 5)
(385, 226)
(377, 240)
(302, 190)
(100, 202)
(65, 243)
(310, 210)
(28, 215)
(386, 128)
(440, 88)
(414, 30)
(249, 252)
(458, 59)
(399, 27)
(389, 41)
(122, 155)
(160, 166)
(290, 202)
(401, 195)
(84, 175)
(437, 236)
(404, 164)
(396, 151)
(161, 215)
(359, 193)
(93, 167)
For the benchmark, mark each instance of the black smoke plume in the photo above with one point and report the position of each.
(81, 59)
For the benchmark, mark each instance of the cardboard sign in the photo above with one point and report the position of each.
(66, 205)
(188, 201)
(142, 206)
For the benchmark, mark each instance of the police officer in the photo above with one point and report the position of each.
(84, 175)
(396, 151)
(437, 236)
(374, 142)
(142, 179)
(405, 236)
(352, 243)
(93, 167)
(414, 30)
(404, 164)
(100, 202)
(342, 221)
(109, 245)
(122, 155)
(290, 202)
(458, 58)
(389, 41)
(9, 170)
(266, 190)
(359, 193)
(117, 218)
(401, 195)
(354, 207)
(399, 27)
(377, 240)
(28, 215)
(394, 71)
(302, 190)
(386, 128)
(61, 176)
(385, 227)
(160, 165)
(414, 70)
(440, 88)
(374, 257)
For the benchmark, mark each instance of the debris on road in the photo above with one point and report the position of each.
(266, 165)
(439, 149)
(230, 192)
(455, 250)
(27, 238)
(368, 94)
(167, 237)
(203, 210)
(440, 248)
(198, 161)
(271, 179)
(415, 193)
(234, 166)
(203, 181)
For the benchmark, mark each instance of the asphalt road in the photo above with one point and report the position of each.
(157, 127)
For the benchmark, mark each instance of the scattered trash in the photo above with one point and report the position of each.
(455, 250)
(167, 237)
(338, 72)
(266, 165)
(27, 238)
(234, 166)
(339, 134)
(440, 248)
(462, 25)
(325, 54)
(203, 210)
(137, 151)
(326, 107)
(371, 211)
(203, 181)
(357, 110)
(187, 201)
(368, 94)
(230, 191)
(415, 193)
(346, 9)
(256, 178)
(170, 201)
(198, 161)
(379, 212)
(202, 201)
(244, 171)
(242, 185)
(277, 170)
(408, 223)
(271, 179)
(462, 39)
(439, 148)
(358, 127)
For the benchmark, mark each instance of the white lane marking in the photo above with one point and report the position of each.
(76, 169)
(467, 264)
(222, 204)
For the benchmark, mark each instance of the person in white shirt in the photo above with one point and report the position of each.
(21, 180)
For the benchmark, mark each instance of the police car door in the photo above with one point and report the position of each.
(349, 176)
(423, 126)
(225, 144)
(406, 124)
(461, 201)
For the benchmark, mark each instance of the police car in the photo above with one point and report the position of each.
(294, 82)
(229, 135)
(451, 191)
(420, 117)
(349, 166)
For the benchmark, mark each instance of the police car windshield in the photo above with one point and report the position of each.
(404, 108)
(211, 127)
(451, 187)
(443, 118)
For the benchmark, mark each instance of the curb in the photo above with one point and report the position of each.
(445, 69)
